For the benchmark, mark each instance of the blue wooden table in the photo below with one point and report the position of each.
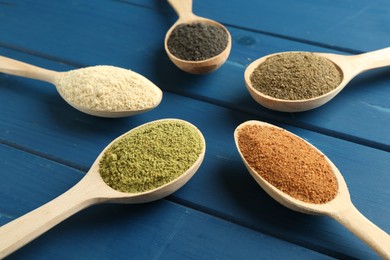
(46, 146)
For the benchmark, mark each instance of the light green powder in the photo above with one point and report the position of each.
(151, 156)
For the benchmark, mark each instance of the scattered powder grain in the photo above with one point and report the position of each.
(151, 156)
(296, 76)
(108, 88)
(197, 41)
(288, 163)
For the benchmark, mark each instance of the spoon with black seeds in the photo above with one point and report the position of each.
(195, 44)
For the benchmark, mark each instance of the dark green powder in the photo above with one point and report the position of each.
(197, 41)
(296, 76)
(151, 156)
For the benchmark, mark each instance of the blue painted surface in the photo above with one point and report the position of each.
(46, 146)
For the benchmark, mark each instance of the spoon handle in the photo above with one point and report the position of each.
(21, 231)
(364, 229)
(18, 68)
(183, 8)
(372, 60)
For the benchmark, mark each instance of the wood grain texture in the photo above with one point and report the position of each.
(161, 230)
(117, 41)
(222, 186)
(350, 25)
(48, 146)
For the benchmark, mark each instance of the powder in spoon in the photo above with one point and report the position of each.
(151, 156)
(197, 41)
(288, 163)
(108, 88)
(296, 76)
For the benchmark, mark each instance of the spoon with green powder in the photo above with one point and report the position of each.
(105, 91)
(145, 164)
(300, 81)
(302, 178)
(196, 44)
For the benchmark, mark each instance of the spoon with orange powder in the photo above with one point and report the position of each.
(300, 177)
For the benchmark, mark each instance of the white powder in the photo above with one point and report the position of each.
(108, 88)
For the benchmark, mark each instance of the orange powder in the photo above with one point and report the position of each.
(288, 163)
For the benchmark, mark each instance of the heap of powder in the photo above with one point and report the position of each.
(151, 156)
(296, 76)
(107, 88)
(197, 41)
(288, 163)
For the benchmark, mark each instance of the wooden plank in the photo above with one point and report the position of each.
(36, 120)
(150, 231)
(355, 25)
(363, 103)
(47, 126)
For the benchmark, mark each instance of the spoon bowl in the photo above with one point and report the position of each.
(184, 10)
(349, 66)
(18, 68)
(90, 190)
(339, 208)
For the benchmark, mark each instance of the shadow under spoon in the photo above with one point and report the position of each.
(349, 66)
(339, 208)
(184, 10)
(90, 190)
(72, 79)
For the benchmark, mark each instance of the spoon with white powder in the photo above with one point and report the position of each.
(104, 91)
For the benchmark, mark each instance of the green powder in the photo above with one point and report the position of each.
(296, 76)
(151, 156)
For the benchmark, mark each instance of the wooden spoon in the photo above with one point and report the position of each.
(340, 208)
(18, 68)
(184, 10)
(350, 66)
(89, 191)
